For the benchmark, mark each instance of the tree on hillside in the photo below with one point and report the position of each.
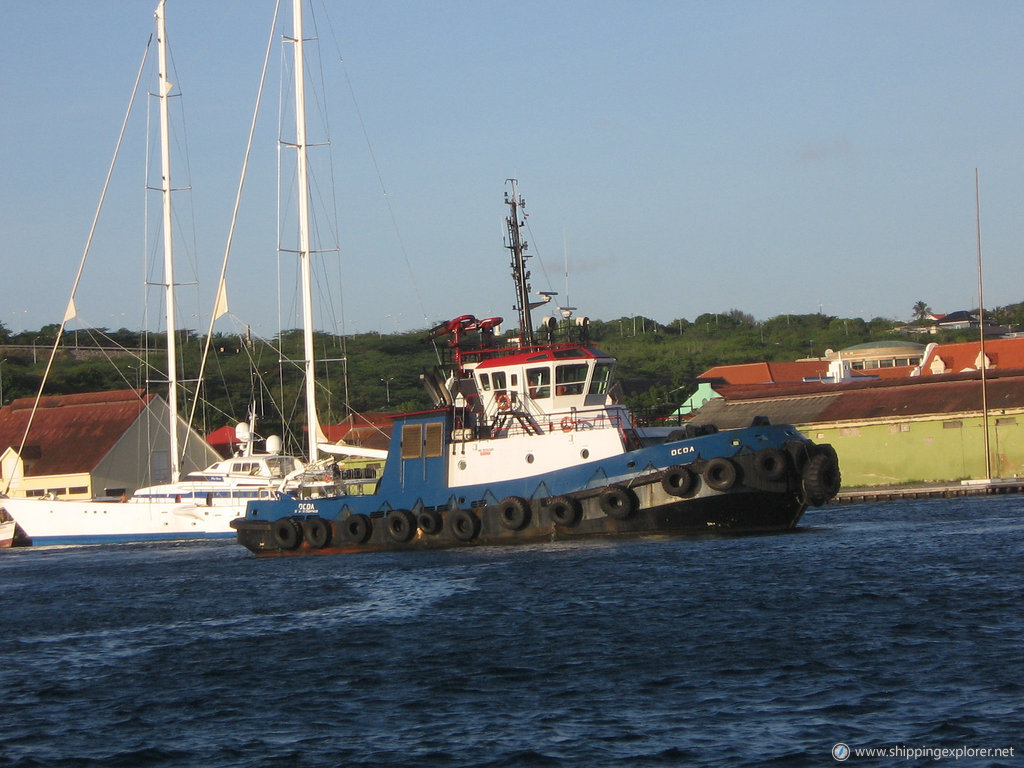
(921, 310)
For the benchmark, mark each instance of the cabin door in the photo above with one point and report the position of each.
(423, 459)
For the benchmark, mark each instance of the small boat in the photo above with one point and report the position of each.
(11, 534)
(526, 444)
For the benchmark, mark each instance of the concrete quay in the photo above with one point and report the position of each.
(930, 491)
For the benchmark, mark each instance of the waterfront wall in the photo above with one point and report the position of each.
(924, 449)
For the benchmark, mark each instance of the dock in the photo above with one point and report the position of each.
(930, 491)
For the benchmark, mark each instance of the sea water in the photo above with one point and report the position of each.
(888, 627)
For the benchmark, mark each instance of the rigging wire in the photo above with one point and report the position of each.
(221, 298)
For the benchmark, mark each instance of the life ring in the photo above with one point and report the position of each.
(618, 502)
(514, 513)
(430, 521)
(822, 478)
(464, 524)
(357, 528)
(317, 532)
(568, 424)
(504, 402)
(771, 464)
(401, 525)
(721, 474)
(286, 533)
(678, 481)
(565, 510)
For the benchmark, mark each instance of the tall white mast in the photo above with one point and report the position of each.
(165, 189)
(305, 255)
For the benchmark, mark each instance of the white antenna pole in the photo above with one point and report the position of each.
(981, 327)
(165, 187)
(305, 255)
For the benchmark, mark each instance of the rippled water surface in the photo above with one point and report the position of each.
(880, 626)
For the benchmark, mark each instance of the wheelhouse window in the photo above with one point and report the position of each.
(602, 379)
(538, 380)
(498, 381)
(485, 382)
(570, 379)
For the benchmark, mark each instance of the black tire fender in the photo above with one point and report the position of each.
(317, 532)
(430, 522)
(514, 513)
(822, 478)
(771, 464)
(357, 528)
(678, 481)
(721, 474)
(286, 532)
(618, 502)
(401, 525)
(565, 510)
(465, 525)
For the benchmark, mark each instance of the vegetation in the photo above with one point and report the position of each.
(658, 364)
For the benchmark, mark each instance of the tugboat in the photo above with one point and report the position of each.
(525, 443)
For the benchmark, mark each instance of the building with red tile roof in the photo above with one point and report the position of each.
(926, 425)
(92, 444)
(1001, 354)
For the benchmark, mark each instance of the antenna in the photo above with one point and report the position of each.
(566, 310)
(981, 329)
(520, 274)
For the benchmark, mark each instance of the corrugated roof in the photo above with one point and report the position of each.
(731, 414)
(853, 401)
(71, 433)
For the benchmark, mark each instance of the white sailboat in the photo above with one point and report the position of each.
(201, 503)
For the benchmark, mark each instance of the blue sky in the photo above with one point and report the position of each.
(683, 157)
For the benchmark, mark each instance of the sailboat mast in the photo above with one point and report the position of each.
(302, 174)
(519, 272)
(165, 192)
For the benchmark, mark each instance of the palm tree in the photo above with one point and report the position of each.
(921, 310)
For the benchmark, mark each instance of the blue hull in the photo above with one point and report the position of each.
(756, 479)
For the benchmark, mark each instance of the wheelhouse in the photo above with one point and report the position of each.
(553, 379)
